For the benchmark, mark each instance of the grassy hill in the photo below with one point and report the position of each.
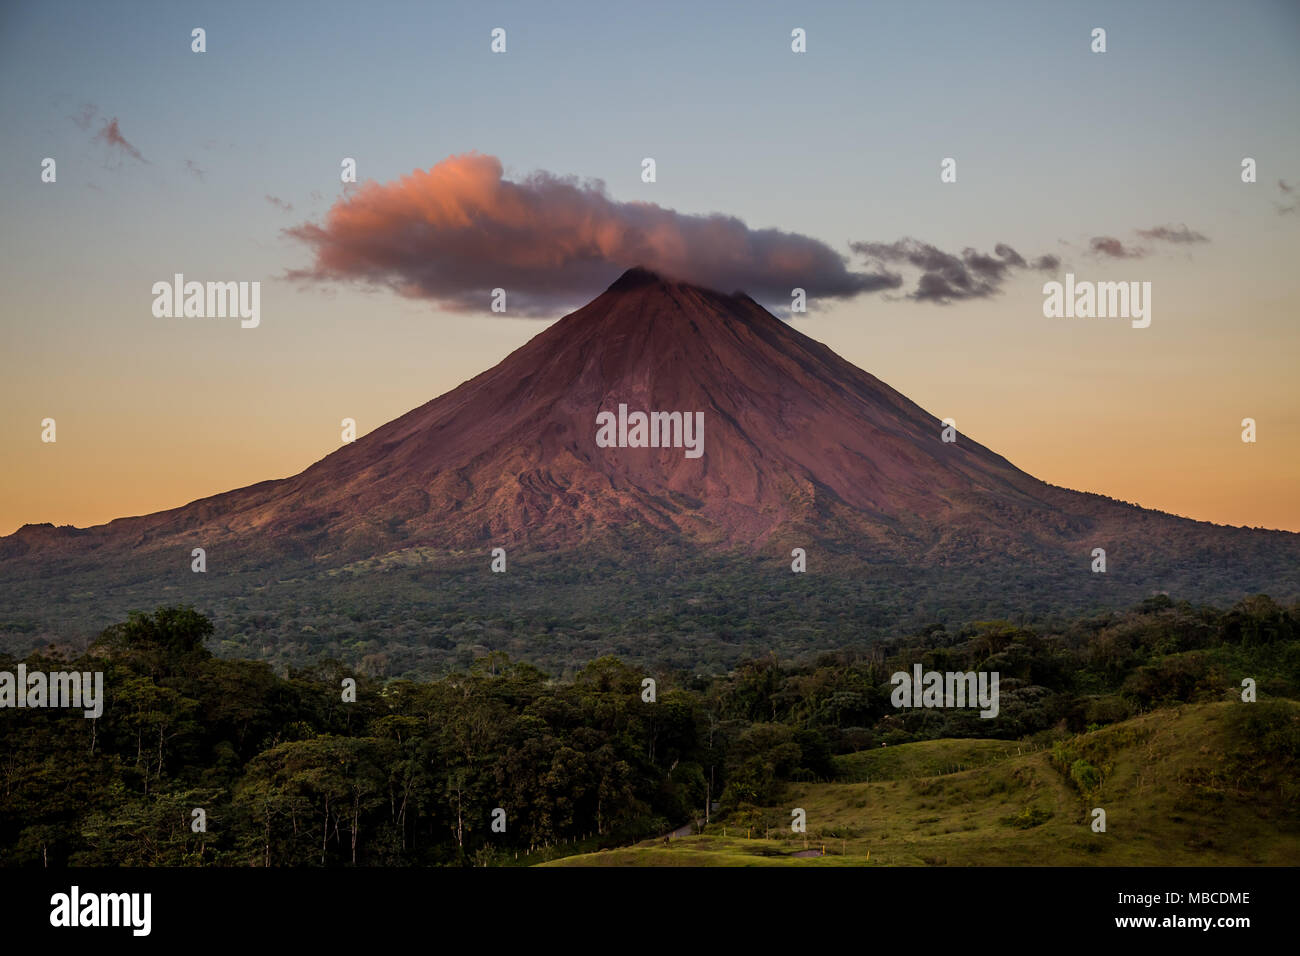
(1207, 784)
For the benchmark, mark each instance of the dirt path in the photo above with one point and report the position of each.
(682, 831)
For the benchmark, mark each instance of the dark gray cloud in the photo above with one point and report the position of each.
(1179, 234)
(947, 277)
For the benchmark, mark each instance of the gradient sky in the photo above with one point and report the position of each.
(1054, 145)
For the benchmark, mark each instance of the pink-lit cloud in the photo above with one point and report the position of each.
(455, 232)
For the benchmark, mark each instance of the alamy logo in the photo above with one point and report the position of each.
(103, 909)
(947, 689)
(652, 430)
(73, 689)
(1098, 300)
(208, 300)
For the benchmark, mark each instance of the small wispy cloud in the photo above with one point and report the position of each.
(279, 203)
(111, 134)
(193, 167)
(1286, 208)
(1178, 234)
(1112, 248)
(85, 116)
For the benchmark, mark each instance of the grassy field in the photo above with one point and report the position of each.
(1209, 784)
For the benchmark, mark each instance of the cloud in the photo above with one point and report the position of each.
(279, 203)
(1286, 209)
(193, 167)
(1179, 234)
(1112, 248)
(946, 277)
(111, 135)
(454, 232)
(86, 116)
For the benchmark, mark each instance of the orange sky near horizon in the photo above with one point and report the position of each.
(1138, 415)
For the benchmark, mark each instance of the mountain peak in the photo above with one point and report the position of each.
(635, 277)
(643, 278)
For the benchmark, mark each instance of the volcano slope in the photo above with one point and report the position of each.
(387, 539)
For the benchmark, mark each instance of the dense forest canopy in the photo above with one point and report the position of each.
(288, 772)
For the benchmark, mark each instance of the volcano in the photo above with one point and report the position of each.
(800, 448)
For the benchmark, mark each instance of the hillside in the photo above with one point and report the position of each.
(1196, 785)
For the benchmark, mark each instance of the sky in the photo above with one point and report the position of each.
(225, 165)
